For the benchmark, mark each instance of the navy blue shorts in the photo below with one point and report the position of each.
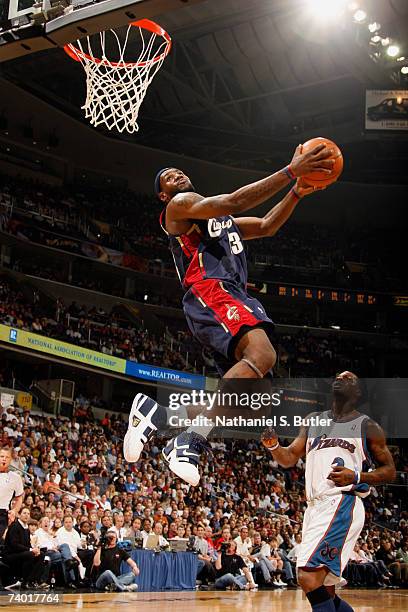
(218, 314)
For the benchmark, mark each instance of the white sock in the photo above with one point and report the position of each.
(203, 430)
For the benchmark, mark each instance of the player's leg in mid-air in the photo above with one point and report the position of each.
(255, 357)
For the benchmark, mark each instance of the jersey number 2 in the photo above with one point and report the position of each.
(235, 243)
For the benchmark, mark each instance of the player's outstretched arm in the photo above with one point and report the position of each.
(286, 456)
(262, 227)
(385, 471)
(185, 206)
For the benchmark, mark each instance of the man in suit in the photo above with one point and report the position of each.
(25, 561)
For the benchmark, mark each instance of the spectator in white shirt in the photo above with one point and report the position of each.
(118, 526)
(57, 552)
(293, 553)
(244, 542)
(158, 531)
(147, 528)
(68, 535)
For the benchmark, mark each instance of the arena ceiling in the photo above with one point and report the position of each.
(246, 81)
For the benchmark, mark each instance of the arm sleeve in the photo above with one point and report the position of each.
(13, 541)
(18, 487)
(241, 563)
(124, 555)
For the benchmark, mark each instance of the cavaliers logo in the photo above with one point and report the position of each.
(329, 552)
(232, 313)
(135, 421)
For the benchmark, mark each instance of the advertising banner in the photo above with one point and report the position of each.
(174, 377)
(51, 346)
(386, 109)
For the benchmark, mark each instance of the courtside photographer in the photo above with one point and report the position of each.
(107, 563)
(229, 566)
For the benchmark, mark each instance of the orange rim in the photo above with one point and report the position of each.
(76, 54)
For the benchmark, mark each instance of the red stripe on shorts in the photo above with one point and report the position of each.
(228, 309)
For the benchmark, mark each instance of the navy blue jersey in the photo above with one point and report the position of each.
(211, 249)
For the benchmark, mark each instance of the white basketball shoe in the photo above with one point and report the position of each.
(182, 455)
(146, 416)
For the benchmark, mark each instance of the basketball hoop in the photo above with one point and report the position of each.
(116, 89)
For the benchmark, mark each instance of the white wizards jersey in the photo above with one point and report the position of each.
(340, 443)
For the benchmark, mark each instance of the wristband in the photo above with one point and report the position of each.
(289, 173)
(274, 447)
(357, 476)
(295, 193)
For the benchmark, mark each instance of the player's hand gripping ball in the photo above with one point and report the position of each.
(321, 179)
(269, 438)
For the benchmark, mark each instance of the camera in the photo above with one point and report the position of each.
(224, 547)
(103, 542)
(190, 544)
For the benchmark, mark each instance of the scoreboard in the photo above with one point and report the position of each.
(320, 294)
(323, 295)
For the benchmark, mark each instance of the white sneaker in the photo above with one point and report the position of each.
(144, 419)
(281, 583)
(15, 585)
(131, 588)
(182, 454)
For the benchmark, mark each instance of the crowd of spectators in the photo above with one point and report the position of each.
(303, 354)
(93, 328)
(246, 514)
(299, 354)
(121, 219)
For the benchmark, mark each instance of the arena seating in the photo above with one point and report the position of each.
(296, 254)
(300, 354)
(76, 467)
(93, 328)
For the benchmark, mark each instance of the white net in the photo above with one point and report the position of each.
(116, 87)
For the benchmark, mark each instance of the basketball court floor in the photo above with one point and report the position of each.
(363, 600)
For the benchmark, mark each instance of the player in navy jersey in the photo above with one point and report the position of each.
(206, 240)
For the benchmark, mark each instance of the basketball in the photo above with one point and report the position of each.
(320, 179)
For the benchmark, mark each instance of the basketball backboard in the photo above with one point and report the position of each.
(22, 33)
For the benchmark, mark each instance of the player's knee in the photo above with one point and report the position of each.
(266, 359)
(263, 358)
(271, 358)
(307, 581)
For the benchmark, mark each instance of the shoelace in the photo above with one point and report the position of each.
(199, 443)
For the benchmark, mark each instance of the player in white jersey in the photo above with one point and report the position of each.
(339, 446)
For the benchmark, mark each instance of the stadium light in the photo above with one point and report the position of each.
(326, 11)
(393, 50)
(385, 41)
(374, 27)
(401, 59)
(404, 70)
(375, 39)
(360, 16)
